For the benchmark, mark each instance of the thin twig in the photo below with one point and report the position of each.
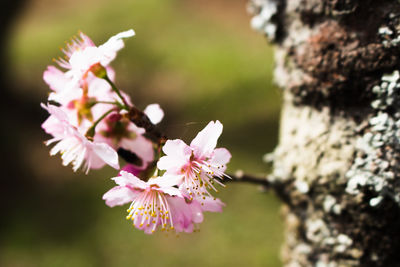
(246, 178)
(279, 188)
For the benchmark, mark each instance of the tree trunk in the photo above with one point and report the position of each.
(338, 157)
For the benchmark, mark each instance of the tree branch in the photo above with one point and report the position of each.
(278, 187)
(239, 176)
(140, 119)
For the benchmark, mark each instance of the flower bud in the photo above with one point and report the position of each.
(98, 70)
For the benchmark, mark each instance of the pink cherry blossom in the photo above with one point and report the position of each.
(63, 92)
(198, 163)
(73, 146)
(83, 107)
(157, 203)
(82, 54)
(119, 132)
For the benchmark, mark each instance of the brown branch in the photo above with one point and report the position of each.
(239, 176)
(279, 188)
(140, 119)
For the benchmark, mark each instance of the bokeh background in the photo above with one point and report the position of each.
(201, 61)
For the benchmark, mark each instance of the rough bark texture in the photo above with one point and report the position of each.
(338, 64)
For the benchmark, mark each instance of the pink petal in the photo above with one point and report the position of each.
(53, 126)
(141, 146)
(55, 78)
(166, 183)
(112, 46)
(220, 157)
(110, 73)
(107, 154)
(197, 212)
(94, 161)
(177, 155)
(99, 89)
(81, 60)
(119, 195)
(211, 204)
(181, 213)
(129, 180)
(206, 140)
(57, 112)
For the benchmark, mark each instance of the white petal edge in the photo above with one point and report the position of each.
(154, 112)
(107, 154)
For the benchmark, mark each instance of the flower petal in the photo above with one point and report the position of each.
(129, 180)
(220, 157)
(166, 183)
(119, 195)
(177, 155)
(206, 140)
(212, 205)
(107, 154)
(141, 146)
(154, 112)
(55, 78)
(110, 48)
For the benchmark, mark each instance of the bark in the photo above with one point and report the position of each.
(338, 158)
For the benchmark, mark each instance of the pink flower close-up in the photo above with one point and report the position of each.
(198, 163)
(119, 132)
(73, 146)
(158, 203)
(81, 54)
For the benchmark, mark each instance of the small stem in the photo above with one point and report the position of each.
(116, 90)
(108, 102)
(118, 104)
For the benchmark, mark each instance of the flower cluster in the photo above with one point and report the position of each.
(169, 185)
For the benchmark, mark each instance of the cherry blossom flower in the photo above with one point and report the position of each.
(73, 146)
(81, 85)
(81, 54)
(157, 203)
(92, 119)
(119, 132)
(198, 163)
(83, 107)
(63, 93)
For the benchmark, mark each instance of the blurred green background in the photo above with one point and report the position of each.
(201, 61)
